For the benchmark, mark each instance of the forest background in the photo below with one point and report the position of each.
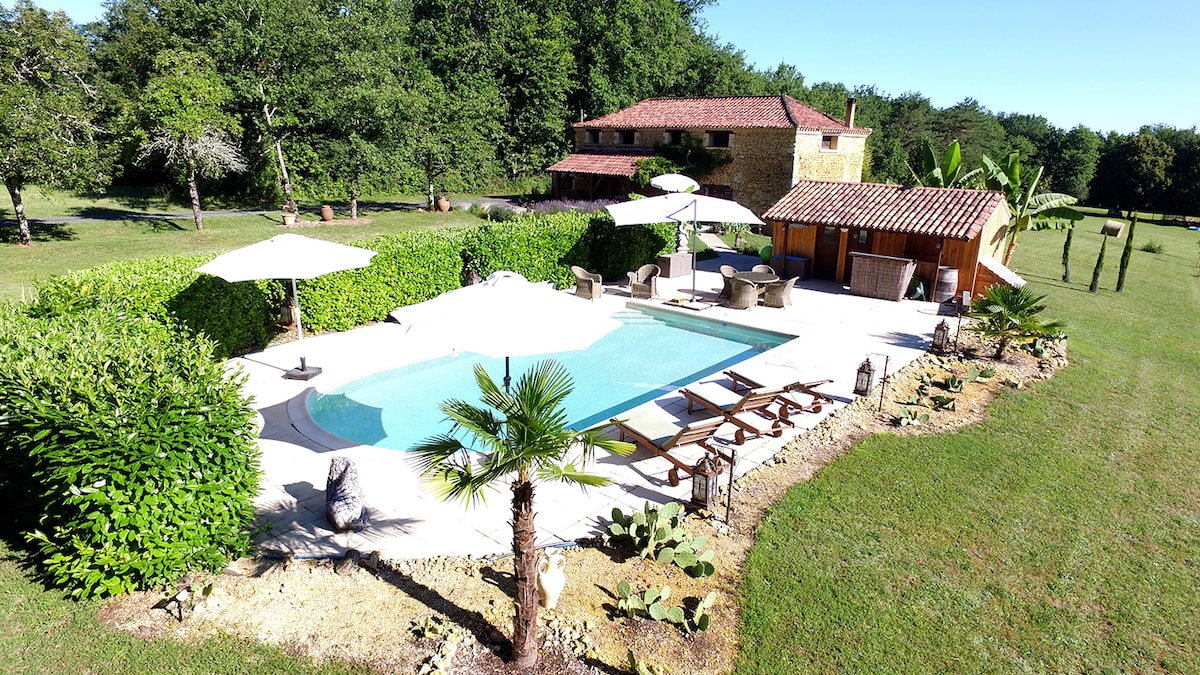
(376, 97)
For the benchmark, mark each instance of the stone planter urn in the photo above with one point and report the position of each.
(327, 213)
(551, 579)
(443, 204)
(289, 218)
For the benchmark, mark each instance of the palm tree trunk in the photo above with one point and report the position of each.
(194, 193)
(14, 193)
(525, 647)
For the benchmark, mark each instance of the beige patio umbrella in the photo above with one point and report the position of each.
(680, 207)
(288, 256)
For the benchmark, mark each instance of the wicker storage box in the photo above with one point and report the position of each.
(880, 276)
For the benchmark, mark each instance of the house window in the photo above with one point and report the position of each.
(829, 143)
(593, 136)
(627, 136)
(674, 137)
(863, 236)
(718, 139)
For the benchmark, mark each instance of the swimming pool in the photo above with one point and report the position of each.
(652, 353)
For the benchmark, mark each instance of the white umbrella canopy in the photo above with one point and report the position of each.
(674, 182)
(288, 256)
(680, 207)
(507, 315)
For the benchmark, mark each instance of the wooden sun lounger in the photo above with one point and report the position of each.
(754, 379)
(744, 410)
(661, 435)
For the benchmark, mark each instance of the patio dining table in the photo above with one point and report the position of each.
(759, 279)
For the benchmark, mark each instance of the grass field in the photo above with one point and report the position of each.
(124, 235)
(1061, 535)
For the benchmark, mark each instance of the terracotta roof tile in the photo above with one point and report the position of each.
(942, 212)
(726, 112)
(622, 163)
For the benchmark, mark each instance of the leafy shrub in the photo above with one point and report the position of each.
(1153, 247)
(124, 443)
(237, 317)
(408, 268)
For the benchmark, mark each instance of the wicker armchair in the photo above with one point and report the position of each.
(587, 285)
(743, 294)
(727, 272)
(644, 282)
(765, 269)
(779, 293)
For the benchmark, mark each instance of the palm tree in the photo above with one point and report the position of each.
(522, 436)
(1047, 210)
(1011, 315)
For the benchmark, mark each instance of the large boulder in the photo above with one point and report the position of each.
(345, 507)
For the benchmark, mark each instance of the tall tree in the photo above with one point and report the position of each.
(183, 110)
(524, 439)
(1027, 208)
(1134, 172)
(1072, 162)
(975, 127)
(47, 107)
(1184, 174)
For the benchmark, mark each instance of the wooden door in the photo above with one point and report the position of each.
(825, 259)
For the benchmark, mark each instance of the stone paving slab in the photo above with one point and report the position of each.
(834, 332)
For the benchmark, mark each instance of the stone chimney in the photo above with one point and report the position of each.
(851, 106)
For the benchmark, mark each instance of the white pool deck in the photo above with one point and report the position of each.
(835, 331)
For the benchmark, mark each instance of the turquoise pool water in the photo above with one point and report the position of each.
(652, 353)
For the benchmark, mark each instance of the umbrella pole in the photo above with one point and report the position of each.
(507, 377)
(296, 304)
(694, 226)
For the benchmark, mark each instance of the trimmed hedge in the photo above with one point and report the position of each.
(126, 445)
(409, 267)
(237, 317)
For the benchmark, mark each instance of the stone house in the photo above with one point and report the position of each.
(772, 142)
(956, 237)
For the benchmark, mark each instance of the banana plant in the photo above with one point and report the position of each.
(948, 173)
(1028, 209)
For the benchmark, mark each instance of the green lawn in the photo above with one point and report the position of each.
(1061, 535)
(79, 245)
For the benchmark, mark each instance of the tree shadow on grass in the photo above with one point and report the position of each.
(38, 231)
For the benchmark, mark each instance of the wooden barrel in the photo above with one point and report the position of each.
(947, 284)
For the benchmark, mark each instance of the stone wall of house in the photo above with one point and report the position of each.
(761, 170)
(844, 164)
(763, 167)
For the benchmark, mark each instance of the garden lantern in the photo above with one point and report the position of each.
(941, 337)
(704, 484)
(865, 378)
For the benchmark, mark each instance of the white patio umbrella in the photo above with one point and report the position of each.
(507, 315)
(288, 256)
(674, 182)
(679, 207)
